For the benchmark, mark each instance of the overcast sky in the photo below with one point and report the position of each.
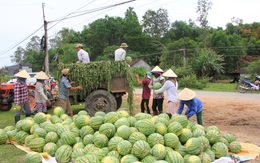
(21, 18)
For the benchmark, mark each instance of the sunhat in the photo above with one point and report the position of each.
(41, 75)
(170, 73)
(124, 45)
(148, 74)
(65, 71)
(22, 74)
(79, 45)
(157, 69)
(186, 94)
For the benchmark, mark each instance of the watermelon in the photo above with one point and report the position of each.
(28, 139)
(88, 139)
(109, 159)
(193, 146)
(173, 156)
(58, 111)
(235, 147)
(114, 154)
(88, 158)
(131, 121)
(220, 150)
(27, 124)
(124, 132)
(51, 137)
(78, 145)
(37, 144)
(82, 120)
(96, 122)
(85, 130)
(63, 153)
(83, 112)
(100, 113)
(149, 159)
(39, 132)
(229, 137)
(185, 135)
(175, 127)
(122, 121)
(145, 126)
(3, 136)
(158, 151)
(111, 117)
(77, 153)
(50, 127)
(135, 136)
(32, 157)
(108, 129)
(130, 158)
(128, 59)
(213, 136)
(100, 140)
(124, 147)
(141, 149)
(11, 135)
(50, 148)
(9, 128)
(68, 138)
(205, 158)
(171, 140)
(157, 86)
(211, 154)
(20, 137)
(193, 159)
(161, 128)
(39, 117)
(155, 138)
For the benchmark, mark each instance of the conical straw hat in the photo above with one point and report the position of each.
(41, 75)
(170, 73)
(157, 69)
(186, 94)
(22, 74)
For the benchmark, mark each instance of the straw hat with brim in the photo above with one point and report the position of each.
(170, 73)
(186, 94)
(65, 71)
(157, 69)
(124, 45)
(22, 74)
(79, 45)
(41, 75)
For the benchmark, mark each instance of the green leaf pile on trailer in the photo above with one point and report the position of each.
(92, 75)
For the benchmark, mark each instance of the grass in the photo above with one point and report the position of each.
(9, 153)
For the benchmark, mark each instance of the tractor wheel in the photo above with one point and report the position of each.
(6, 107)
(32, 102)
(100, 100)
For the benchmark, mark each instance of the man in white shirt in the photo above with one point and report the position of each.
(120, 53)
(82, 54)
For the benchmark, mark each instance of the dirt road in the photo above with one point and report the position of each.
(231, 112)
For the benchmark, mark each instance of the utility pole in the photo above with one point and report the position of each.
(47, 72)
(184, 57)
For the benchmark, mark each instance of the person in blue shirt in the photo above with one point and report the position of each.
(194, 105)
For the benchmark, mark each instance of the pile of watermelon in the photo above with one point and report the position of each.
(118, 137)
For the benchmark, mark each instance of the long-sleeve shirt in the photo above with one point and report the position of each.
(154, 80)
(83, 56)
(146, 90)
(171, 90)
(20, 93)
(120, 54)
(194, 106)
(40, 96)
(64, 88)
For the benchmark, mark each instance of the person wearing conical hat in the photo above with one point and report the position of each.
(157, 104)
(146, 93)
(194, 105)
(40, 92)
(21, 99)
(171, 87)
(83, 56)
(120, 53)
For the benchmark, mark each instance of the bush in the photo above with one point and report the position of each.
(191, 81)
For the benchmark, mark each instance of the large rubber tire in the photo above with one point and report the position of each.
(242, 88)
(118, 102)
(6, 107)
(100, 100)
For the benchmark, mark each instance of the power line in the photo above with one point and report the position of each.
(12, 47)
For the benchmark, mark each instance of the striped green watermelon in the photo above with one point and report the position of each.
(100, 140)
(158, 151)
(77, 153)
(114, 154)
(68, 138)
(109, 159)
(111, 117)
(175, 127)
(131, 121)
(3, 136)
(9, 128)
(229, 137)
(193, 146)
(171, 140)
(28, 139)
(39, 117)
(100, 113)
(213, 136)
(27, 124)
(85, 130)
(173, 156)
(235, 147)
(82, 120)
(211, 154)
(141, 149)
(32, 157)
(123, 131)
(50, 148)
(96, 122)
(145, 126)
(193, 159)
(51, 127)
(58, 111)
(108, 129)
(37, 144)
(88, 139)
(220, 150)
(185, 135)
(123, 113)
(135, 136)
(39, 132)
(79, 144)
(149, 159)
(20, 137)
(63, 154)
(51, 137)
(122, 121)
(161, 128)
(124, 147)
(130, 158)
(112, 144)
(182, 119)
(155, 138)
(205, 158)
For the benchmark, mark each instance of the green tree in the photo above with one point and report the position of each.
(156, 23)
(202, 9)
(18, 56)
(207, 63)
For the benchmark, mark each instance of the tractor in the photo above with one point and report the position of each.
(7, 96)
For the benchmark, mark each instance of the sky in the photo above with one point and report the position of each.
(22, 18)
